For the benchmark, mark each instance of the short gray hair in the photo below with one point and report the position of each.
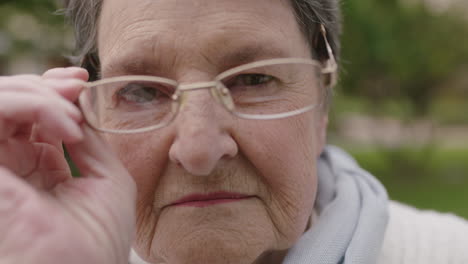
(84, 17)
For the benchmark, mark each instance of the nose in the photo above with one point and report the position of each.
(203, 136)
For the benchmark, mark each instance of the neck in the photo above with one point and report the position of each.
(277, 257)
(271, 257)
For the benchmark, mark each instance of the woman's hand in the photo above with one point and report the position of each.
(46, 216)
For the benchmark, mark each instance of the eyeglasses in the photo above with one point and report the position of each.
(261, 90)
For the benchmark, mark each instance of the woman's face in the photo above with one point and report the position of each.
(206, 153)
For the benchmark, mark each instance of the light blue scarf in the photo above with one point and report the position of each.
(352, 216)
(352, 209)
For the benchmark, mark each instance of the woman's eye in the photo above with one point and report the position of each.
(137, 93)
(252, 79)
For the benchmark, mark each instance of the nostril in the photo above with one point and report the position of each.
(199, 153)
(202, 137)
(230, 147)
(195, 160)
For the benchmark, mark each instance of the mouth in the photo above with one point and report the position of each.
(203, 200)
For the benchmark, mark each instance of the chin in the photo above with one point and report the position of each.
(216, 235)
(213, 249)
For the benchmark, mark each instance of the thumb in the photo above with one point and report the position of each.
(101, 168)
(108, 187)
(95, 159)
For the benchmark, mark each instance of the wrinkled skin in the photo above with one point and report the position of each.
(46, 216)
(206, 149)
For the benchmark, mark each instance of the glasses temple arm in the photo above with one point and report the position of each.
(330, 66)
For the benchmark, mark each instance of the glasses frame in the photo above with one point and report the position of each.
(217, 89)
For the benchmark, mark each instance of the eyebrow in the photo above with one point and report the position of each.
(252, 52)
(130, 64)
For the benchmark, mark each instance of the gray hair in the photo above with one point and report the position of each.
(84, 17)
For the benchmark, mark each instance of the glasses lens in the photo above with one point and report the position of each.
(128, 105)
(274, 89)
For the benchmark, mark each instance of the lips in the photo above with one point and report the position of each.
(203, 200)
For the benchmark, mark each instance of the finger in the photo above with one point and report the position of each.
(30, 109)
(108, 185)
(67, 86)
(9, 129)
(36, 136)
(67, 82)
(67, 73)
(71, 90)
(94, 158)
(9, 106)
(52, 168)
(92, 155)
(32, 85)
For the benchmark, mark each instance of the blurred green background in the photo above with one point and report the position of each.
(401, 107)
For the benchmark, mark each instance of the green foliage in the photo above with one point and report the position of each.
(450, 111)
(427, 177)
(400, 52)
(31, 30)
(41, 9)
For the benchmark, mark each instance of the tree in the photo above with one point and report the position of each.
(400, 52)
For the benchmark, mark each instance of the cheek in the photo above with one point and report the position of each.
(284, 153)
(145, 157)
(286, 149)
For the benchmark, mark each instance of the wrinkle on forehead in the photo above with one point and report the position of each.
(209, 29)
(185, 9)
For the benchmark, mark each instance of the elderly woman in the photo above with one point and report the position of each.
(217, 113)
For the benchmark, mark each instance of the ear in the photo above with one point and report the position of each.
(322, 123)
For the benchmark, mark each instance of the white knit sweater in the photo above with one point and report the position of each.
(424, 237)
(417, 237)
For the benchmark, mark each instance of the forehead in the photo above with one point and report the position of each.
(196, 31)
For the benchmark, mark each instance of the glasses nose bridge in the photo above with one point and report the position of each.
(183, 88)
(196, 86)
